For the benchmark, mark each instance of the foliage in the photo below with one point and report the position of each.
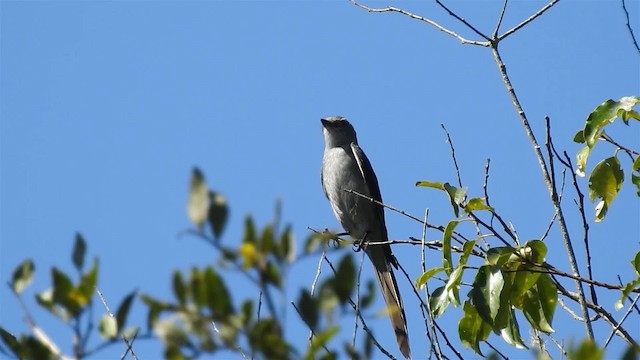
(606, 178)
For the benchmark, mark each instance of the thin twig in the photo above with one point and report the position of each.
(615, 328)
(633, 37)
(629, 297)
(236, 347)
(609, 139)
(423, 19)
(429, 320)
(602, 312)
(504, 9)
(126, 341)
(355, 321)
(310, 329)
(496, 350)
(453, 155)
(457, 236)
(462, 20)
(528, 20)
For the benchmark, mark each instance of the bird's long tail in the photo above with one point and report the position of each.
(391, 294)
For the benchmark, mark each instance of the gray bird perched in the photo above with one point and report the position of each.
(346, 167)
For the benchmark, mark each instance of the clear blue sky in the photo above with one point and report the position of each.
(106, 106)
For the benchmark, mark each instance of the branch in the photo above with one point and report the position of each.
(633, 37)
(423, 19)
(530, 19)
(547, 179)
(462, 20)
(602, 312)
(615, 328)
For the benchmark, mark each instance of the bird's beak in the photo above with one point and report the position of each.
(325, 122)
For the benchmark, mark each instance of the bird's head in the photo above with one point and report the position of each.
(337, 132)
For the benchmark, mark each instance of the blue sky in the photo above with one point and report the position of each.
(106, 106)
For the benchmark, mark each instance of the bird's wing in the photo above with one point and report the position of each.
(371, 181)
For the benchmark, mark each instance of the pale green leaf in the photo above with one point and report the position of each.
(22, 276)
(198, 203)
(605, 182)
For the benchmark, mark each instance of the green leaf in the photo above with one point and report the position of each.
(581, 160)
(218, 213)
(62, 292)
(271, 274)
(108, 327)
(447, 261)
(219, 300)
(198, 203)
(308, 307)
(83, 294)
(605, 114)
(180, 289)
(626, 115)
(366, 298)
(266, 337)
(587, 350)
(626, 290)
(11, 342)
(123, 310)
(198, 288)
(605, 182)
(249, 231)
(345, 278)
(247, 312)
(511, 333)
(538, 251)
(522, 281)
(431, 184)
(288, 245)
(635, 174)
(456, 196)
(539, 304)
(422, 279)
(439, 301)
(579, 137)
(22, 276)
(477, 204)
(499, 255)
(636, 263)
(267, 242)
(79, 250)
(487, 288)
(321, 339)
(453, 285)
(467, 249)
(472, 329)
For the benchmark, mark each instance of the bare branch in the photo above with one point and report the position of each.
(633, 37)
(453, 154)
(462, 20)
(615, 328)
(602, 312)
(528, 20)
(423, 19)
(504, 9)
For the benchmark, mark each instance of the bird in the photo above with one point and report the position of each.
(346, 167)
